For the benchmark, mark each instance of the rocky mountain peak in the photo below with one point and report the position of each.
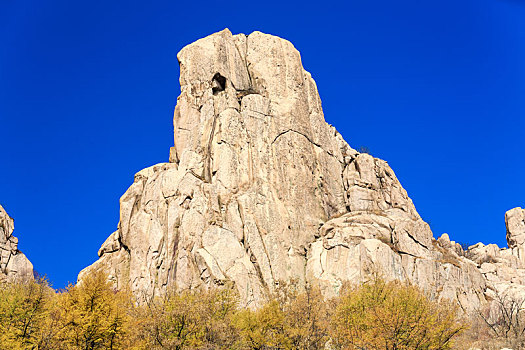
(260, 189)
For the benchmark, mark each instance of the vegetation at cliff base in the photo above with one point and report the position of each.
(381, 315)
(93, 315)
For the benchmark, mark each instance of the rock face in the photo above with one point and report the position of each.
(504, 268)
(515, 223)
(13, 263)
(259, 189)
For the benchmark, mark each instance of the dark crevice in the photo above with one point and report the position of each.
(405, 253)
(218, 83)
(297, 132)
(242, 93)
(126, 248)
(337, 245)
(207, 157)
(415, 240)
(256, 265)
(309, 140)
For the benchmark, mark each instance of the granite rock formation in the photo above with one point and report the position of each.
(13, 263)
(503, 268)
(260, 189)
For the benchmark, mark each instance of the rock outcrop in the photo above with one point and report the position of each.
(13, 263)
(259, 189)
(504, 268)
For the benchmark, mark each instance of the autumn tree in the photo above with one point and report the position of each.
(393, 315)
(187, 320)
(263, 328)
(306, 315)
(93, 315)
(294, 318)
(26, 315)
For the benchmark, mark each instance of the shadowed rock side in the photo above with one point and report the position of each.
(13, 263)
(259, 188)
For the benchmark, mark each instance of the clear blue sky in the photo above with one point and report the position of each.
(87, 91)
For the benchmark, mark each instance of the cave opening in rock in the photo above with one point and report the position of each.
(218, 83)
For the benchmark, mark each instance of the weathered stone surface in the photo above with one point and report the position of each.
(260, 188)
(504, 268)
(13, 263)
(515, 222)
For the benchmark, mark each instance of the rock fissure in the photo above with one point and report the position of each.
(307, 138)
(405, 253)
(414, 239)
(207, 156)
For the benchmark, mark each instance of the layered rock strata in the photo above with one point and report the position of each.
(260, 189)
(13, 263)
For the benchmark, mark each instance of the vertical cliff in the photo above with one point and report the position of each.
(13, 263)
(259, 188)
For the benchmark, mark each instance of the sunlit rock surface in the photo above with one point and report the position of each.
(13, 263)
(504, 268)
(259, 189)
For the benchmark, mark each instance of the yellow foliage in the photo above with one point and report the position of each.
(25, 315)
(381, 315)
(290, 320)
(187, 320)
(307, 316)
(262, 328)
(93, 315)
